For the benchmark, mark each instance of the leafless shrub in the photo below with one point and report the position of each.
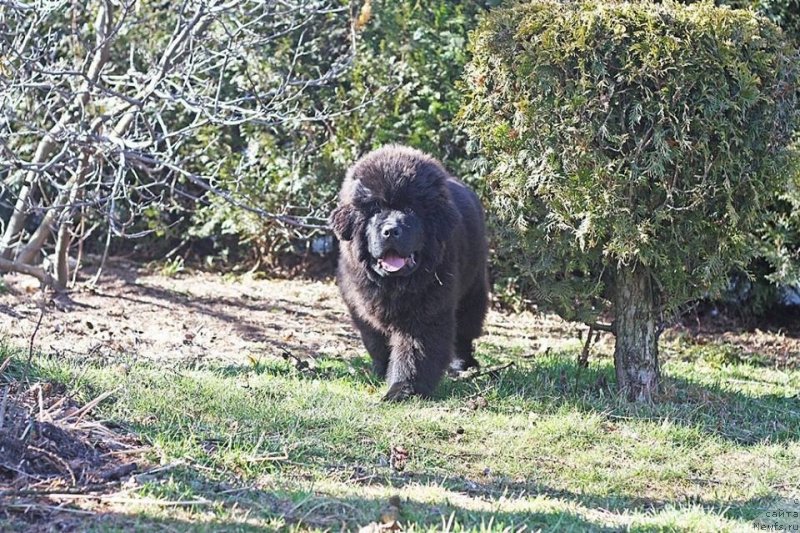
(101, 106)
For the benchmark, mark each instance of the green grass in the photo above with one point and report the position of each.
(270, 446)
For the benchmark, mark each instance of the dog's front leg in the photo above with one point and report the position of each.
(419, 356)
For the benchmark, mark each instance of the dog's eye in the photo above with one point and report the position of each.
(373, 206)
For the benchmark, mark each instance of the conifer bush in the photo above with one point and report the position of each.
(633, 147)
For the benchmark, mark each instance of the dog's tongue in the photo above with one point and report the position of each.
(393, 262)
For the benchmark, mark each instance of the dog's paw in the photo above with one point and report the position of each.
(402, 390)
(463, 365)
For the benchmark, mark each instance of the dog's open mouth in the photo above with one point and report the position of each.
(392, 262)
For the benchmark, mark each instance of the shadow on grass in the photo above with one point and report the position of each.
(315, 512)
(503, 487)
(245, 508)
(547, 385)
(356, 370)
(550, 383)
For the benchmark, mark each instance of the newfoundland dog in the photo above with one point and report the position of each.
(412, 266)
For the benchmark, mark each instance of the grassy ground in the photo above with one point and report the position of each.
(265, 444)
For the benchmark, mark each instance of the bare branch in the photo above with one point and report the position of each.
(118, 127)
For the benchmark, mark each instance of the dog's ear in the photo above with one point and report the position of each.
(342, 221)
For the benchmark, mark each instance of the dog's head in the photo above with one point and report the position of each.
(395, 212)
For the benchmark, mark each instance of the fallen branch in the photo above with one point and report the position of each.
(80, 413)
(28, 507)
(488, 371)
(158, 503)
(55, 460)
(39, 273)
(5, 365)
(119, 472)
(102, 498)
(85, 490)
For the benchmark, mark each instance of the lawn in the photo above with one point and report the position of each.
(288, 433)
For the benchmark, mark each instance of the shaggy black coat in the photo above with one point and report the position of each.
(412, 266)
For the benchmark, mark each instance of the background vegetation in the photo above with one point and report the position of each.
(403, 86)
(217, 132)
(636, 149)
(410, 56)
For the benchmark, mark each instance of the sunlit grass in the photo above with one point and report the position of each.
(269, 445)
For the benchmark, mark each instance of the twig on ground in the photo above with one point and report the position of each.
(85, 490)
(5, 365)
(3, 406)
(269, 457)
(57, 404)
(56, 460)
(28, 507)
(367, 478)
(158, 503)
(486, 372)
(36, 329)
(80, 413)
(129, 452)
(120, 471)
(158, 470)
(104, 498)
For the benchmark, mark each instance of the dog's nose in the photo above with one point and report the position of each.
(392, 230)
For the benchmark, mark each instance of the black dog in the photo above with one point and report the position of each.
(413, 266)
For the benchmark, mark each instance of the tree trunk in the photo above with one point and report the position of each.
(636, 349)
(103, 27)
(62, 256)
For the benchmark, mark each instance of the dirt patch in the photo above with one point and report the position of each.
(200, 317)
(774, 341)
(138, 314)
(45, 441)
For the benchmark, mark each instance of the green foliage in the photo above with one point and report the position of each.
(779, 241)
(413, 52)
(629, 134)
(401, 88)
(785, 13)
(172, 267)
(780, 238)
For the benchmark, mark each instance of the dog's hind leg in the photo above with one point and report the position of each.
(469, 323)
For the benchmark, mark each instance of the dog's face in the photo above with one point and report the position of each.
(395, 213)
(395, 237)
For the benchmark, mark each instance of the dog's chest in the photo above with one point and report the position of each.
(394, 310)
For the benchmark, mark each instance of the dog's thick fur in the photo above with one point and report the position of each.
(416, 320)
